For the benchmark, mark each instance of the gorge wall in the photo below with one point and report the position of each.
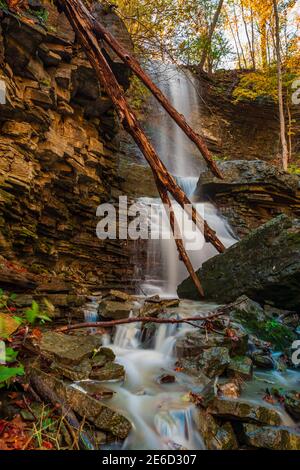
(58, 158)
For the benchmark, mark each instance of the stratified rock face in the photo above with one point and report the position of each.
(58, 154)
(251, 193)
(265, 266)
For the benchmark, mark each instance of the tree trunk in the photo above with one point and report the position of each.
(285, 152)
(212, 28)
(263, 43)
(81, 21)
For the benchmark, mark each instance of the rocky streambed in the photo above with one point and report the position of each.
(222, 382)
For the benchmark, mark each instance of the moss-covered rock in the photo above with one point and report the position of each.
(243, 410)
(216, 436)
(213, 362)
(265, 266)
(240, 367)
(272, 438)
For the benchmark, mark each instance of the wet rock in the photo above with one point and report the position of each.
(247, 310)
(234, 273)
(166, 379)
(110, 371)
(103, 356)
(96, 390)
(102, 416)
(154, 308)
(216, 436)
(196, 342)
(190, 366)
(251, 193)
(229, 390)
(116, 310)
(118, 295)
(214, 361)
(272, 438)
(244, 410)
(70, 350)
(262, 360)
(292, 404)
(75, 372)
(240, 367)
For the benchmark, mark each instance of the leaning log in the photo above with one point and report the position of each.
(179, 242)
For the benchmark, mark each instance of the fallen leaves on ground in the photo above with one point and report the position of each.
(13, 434)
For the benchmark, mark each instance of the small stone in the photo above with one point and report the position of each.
(292, 404)
(229, 390)
(166, 379)
(213, 361)
(111, 371)
(262, 361)
(240, 367)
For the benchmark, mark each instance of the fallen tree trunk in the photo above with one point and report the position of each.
(48, 395)
(179, 243)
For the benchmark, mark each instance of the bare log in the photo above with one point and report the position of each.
(179, 242)
(172, 321)
(83, 26)
(46, 393)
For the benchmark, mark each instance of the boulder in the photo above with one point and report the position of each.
(213, 361)
(265, 266)
(195, 342)
(71, 350)
(116, 310)
(258, 323)
(243, 410)
(240, 367)
(216, 436)
(272, 438)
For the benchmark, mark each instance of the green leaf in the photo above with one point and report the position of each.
(7, 373)
(10, 355)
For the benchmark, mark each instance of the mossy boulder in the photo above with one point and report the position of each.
(240, 367)
(265, 266)
(272, 438)
(213, 362)
(216, 436)
(243, 410)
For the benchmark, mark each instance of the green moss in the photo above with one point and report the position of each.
(279, 335)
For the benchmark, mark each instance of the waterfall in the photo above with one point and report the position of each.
(164, 269)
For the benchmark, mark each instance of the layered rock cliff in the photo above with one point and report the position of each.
(58, 155)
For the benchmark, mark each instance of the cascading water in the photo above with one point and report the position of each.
(164, 269)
